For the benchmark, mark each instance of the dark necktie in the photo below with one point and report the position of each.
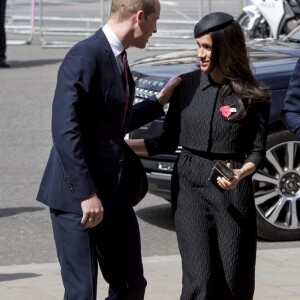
(124, 76)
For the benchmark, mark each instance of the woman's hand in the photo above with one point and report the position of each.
(246, 170)
(226, 184)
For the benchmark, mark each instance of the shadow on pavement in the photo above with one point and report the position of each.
(158, 215)
(16, 276)
(7, 212)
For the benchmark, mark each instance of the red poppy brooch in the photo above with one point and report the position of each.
(226, 110)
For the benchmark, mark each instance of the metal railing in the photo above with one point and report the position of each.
(62, 23)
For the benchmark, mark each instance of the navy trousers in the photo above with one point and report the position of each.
(114, 244)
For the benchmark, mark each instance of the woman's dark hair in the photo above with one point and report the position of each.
(230, 55)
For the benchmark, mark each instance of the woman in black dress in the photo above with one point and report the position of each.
(219, 112)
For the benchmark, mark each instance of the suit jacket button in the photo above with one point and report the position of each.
(121, 161)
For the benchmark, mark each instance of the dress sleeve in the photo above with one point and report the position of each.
(168, 141)
(258, 126)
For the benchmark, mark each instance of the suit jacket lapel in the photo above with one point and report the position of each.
(115, 73)
(131, 98)
(111, 60)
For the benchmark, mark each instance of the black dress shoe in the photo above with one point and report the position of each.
(4, 64)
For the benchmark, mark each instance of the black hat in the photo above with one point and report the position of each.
(212, 22)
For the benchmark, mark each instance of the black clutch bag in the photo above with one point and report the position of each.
(220, 169)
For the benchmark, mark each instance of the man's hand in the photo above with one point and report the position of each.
(165, 94)
(92, 210)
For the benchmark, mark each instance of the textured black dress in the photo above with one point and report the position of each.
(216, 230)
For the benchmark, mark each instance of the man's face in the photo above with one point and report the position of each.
(146, 27)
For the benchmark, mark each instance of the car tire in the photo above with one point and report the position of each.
(277, 189)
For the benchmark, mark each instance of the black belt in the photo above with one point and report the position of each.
(213, 155)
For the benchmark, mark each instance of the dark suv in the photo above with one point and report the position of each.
(277, 184)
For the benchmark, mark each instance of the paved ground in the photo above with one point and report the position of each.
(277, 278)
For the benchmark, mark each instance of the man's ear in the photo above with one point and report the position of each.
(140, 15)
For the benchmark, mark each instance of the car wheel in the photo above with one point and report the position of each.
(277, 189)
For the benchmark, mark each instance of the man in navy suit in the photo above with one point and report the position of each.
(291, 106)
(92, 178)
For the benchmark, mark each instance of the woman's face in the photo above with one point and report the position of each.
(204, 54)
(204, 43)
